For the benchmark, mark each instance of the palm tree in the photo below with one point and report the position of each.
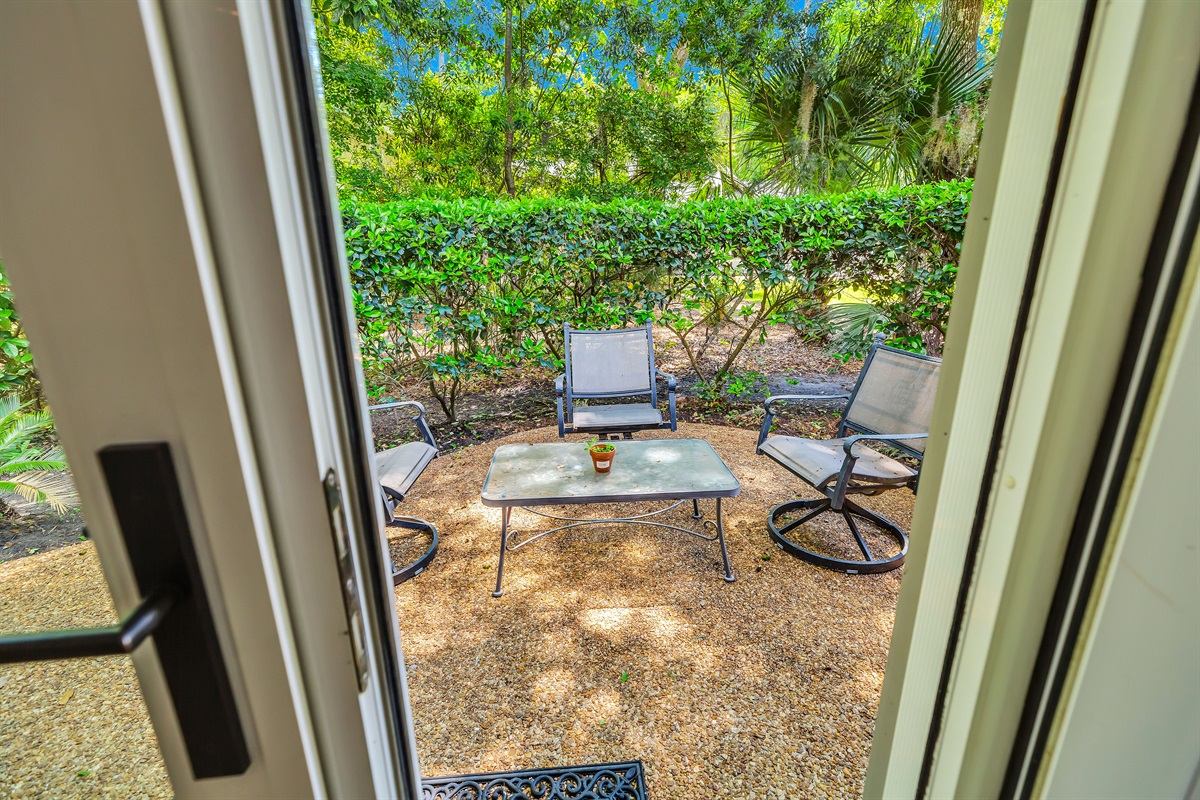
(810, 123)
(26, 471)
(942, 84)
(852, 325)
(864, 117)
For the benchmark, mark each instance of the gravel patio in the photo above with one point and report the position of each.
(609, 644)
(619, 643)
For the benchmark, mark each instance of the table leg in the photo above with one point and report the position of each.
(504, 514)
(721, 534)
(696, 509)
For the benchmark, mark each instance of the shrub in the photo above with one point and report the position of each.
(453, 289)
(16, 362)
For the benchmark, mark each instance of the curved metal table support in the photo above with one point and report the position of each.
(638, 519)
(400, 575)
(671, 471)
(814, 508)
(510, 537)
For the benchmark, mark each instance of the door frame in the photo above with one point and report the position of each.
(161, 230)
(1058, 232)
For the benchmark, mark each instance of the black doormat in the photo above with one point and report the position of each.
(625, 781)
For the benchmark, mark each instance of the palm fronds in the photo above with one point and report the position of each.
(851, 121)
(28, 472)
(851, 326)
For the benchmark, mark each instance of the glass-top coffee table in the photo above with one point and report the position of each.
(676, 470)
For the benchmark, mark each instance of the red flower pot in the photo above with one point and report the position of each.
(602, 454)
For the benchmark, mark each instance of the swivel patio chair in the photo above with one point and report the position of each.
(610, 365)
(892, 402)
(398, 468)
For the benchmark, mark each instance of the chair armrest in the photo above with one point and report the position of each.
(843, 481)
(848, 445)
(418, 418)
(672, 423)
(770, 415)
(397, 403)
(559, 384)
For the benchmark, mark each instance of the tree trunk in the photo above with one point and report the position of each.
(808, 98)
(510, 184)
(960, 20)
(602, 141)
(728, 122)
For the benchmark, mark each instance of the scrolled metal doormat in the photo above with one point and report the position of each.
(625, 781)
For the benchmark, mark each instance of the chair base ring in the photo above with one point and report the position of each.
(848, 566)
(414, 569)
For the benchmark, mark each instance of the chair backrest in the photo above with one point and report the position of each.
(894, 394)
(610, 363)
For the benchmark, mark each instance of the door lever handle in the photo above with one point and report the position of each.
(111, 641)
(175, 610)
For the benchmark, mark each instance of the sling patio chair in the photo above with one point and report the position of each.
(891, 402)
(609, 365)
(398, 468)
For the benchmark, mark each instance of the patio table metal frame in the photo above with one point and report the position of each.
(554, 474)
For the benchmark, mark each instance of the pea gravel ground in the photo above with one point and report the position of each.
(610, 643)
(71, 728)
(615, 643)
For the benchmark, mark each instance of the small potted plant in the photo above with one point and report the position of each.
(602, 454)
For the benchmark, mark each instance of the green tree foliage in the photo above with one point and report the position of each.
(731, 42)
(876, 100)
(448, 290)
(991, 26)
(359, 106)
(582, 110)
(650, 98)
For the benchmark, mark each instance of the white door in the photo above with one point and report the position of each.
(168, 229)
(167, 221)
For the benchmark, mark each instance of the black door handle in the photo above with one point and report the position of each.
(175, 610)
(114, 641)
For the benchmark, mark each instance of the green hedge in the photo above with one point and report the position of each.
(458, 288)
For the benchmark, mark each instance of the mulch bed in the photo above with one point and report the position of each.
(37, 533)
